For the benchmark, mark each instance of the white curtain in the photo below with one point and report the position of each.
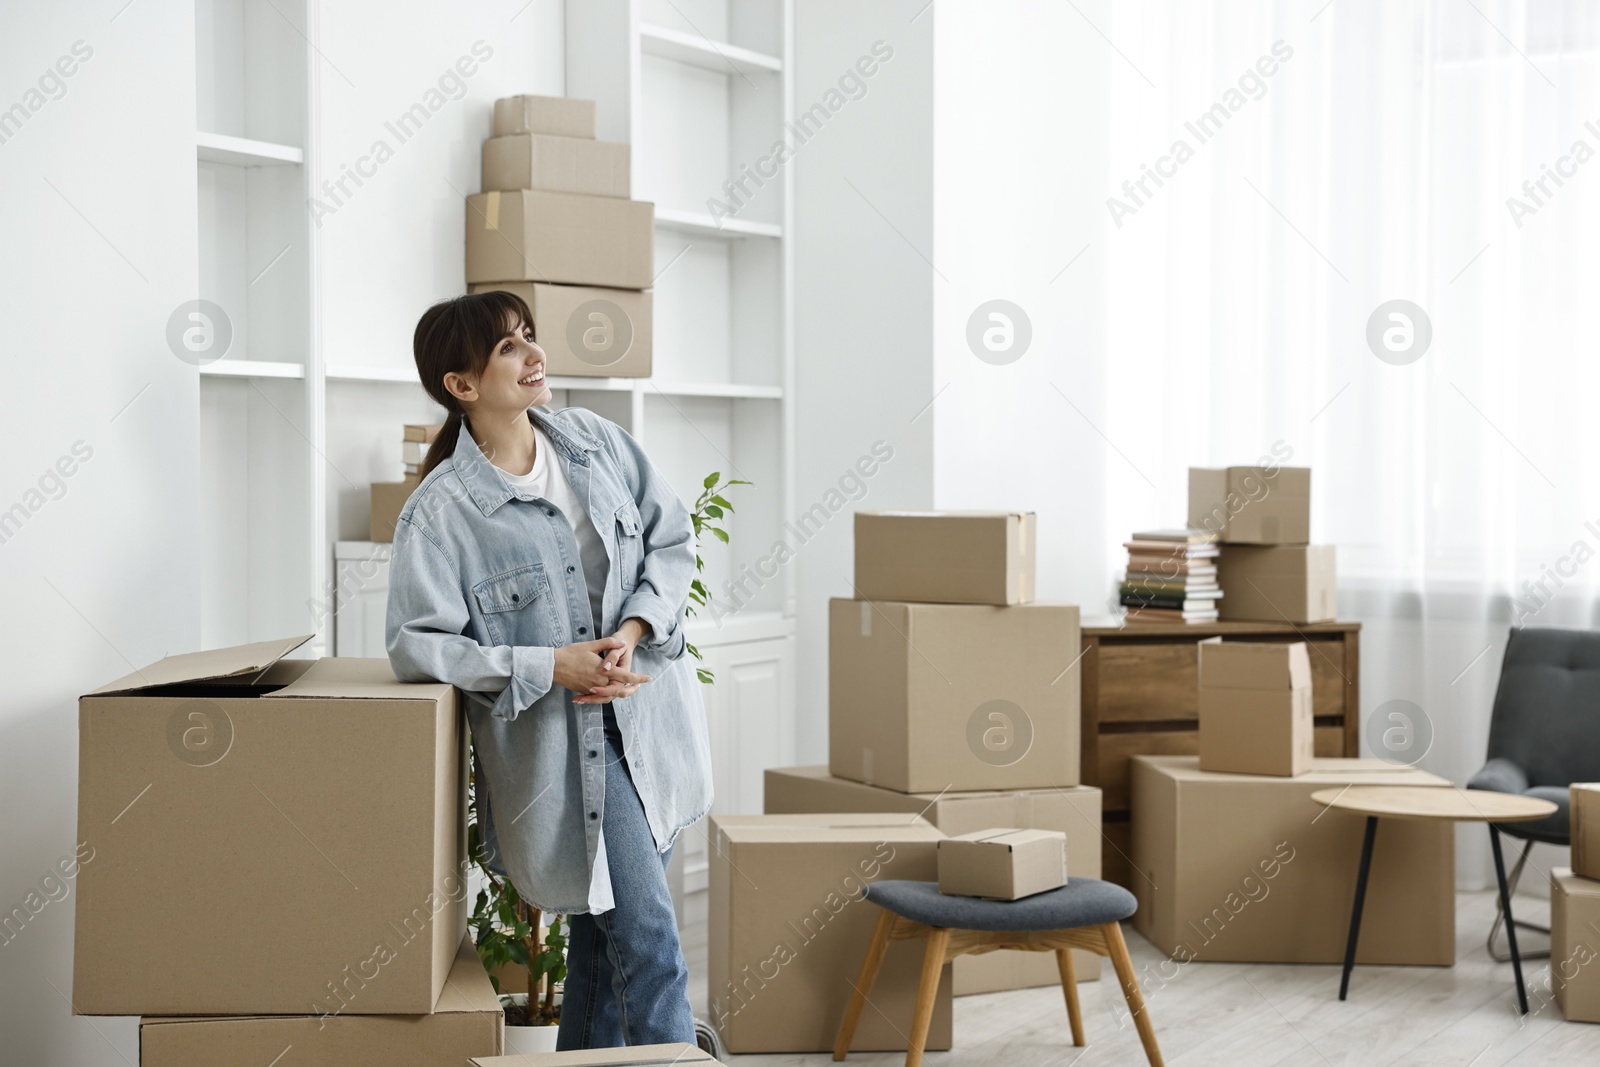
(1375, 163)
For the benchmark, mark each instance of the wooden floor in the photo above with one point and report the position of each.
(1244, 1015)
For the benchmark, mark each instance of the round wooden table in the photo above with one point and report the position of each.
(1431, 802)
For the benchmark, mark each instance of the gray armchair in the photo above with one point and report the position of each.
(1544, 734)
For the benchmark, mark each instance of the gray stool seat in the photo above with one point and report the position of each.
(1081, 902)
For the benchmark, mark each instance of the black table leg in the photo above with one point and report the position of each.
(1361, 896)
(1505, 908)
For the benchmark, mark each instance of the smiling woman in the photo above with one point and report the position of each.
(543, 567)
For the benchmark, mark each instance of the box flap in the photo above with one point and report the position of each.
(1574, 884)
(348, 677)
(1254, 665)
(239, 662)
(824, 827)
(634, 1056)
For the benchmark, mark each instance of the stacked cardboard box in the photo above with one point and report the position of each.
(1267, 570)
(1575, 912)
(1255, 708)
(554, 225)
(241, 865)
(389, 498)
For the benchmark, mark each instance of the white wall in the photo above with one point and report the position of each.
(864, 300)
(101, 577)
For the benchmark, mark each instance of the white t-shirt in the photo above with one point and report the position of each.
(548, 480)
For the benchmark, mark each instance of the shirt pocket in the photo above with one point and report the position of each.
(630, 544)
(517, 607)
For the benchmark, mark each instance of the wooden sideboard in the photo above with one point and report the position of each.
(1141, 694)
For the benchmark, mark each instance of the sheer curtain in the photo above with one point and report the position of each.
(1340, 157)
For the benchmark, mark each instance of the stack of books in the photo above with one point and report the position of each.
(1171, 577)
(418, 439)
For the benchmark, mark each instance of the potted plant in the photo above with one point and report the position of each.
(506, 930)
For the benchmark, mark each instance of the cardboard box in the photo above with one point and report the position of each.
(1247, 869)
(1584, 799)
(558, 116)
(789, 928)
(466, 1021)
(533, 236)
(1249, 505)
(1003, 864)
(1277, 583)
(945, 557)
(634, 1056)
(388, 500)
(1574, 945)
(555, 164)
(924, 697)
(270, 837)
(587, 332)
(1074, 811)
(1255, 707)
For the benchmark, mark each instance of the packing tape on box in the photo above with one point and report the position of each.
(491, 211)
(866, 618)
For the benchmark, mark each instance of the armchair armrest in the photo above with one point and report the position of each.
(1500, 776)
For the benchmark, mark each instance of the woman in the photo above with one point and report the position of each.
(543, 566)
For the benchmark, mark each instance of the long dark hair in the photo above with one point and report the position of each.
(460, 335)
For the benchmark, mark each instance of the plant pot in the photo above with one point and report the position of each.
(521, 1039)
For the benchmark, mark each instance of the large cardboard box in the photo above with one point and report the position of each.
(1585, 815)
(1075, 811)
(1277, 583)
(949, 557)
(1255, 707)
(1575, 944)
(534, 236)
(923, 697)
(466, 1021)
(1004, 863)
(1247, 869)
(270, 837)
(789, 928)
(555, 164)
(587, 332)
(1252, 505)
(632, 1056)
(388, 500)
(558, 116)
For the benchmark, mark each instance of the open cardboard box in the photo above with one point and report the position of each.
(269, 836)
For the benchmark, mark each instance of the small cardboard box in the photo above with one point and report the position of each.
(1585, 815)
(789, 928)
(244, 862)
(923, 697)
(945, 557)
(587, 332)
(388, 500)
(1074, 811)
(1575, 945)
(558, 116)
(1252, 505)
(1003, 864)
(466, 1021)
(1248, 869)
(534, 236)
(555, 164)
(632, 1056)
(1255, 708)
(1277, 583)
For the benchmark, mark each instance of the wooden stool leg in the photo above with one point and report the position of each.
(864, 983)
(927, 993)
(1069, 987)
(1118, 950)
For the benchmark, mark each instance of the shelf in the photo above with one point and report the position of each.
(351, 372)
(242, 152)
(355, 372)
(700, 51)
(703, 225)
(733, 390)
(252, 368)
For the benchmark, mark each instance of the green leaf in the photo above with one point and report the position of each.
(706, 677)
(711, 479)
(721, 534)
(518, 953)
(721, 502)
(714, 511)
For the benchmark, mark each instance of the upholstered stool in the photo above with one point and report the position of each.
(1081, 914)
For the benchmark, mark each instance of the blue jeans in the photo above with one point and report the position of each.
(626, 983)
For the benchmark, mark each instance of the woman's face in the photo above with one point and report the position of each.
(514, 379)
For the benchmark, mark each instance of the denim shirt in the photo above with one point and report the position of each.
(486, 583)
